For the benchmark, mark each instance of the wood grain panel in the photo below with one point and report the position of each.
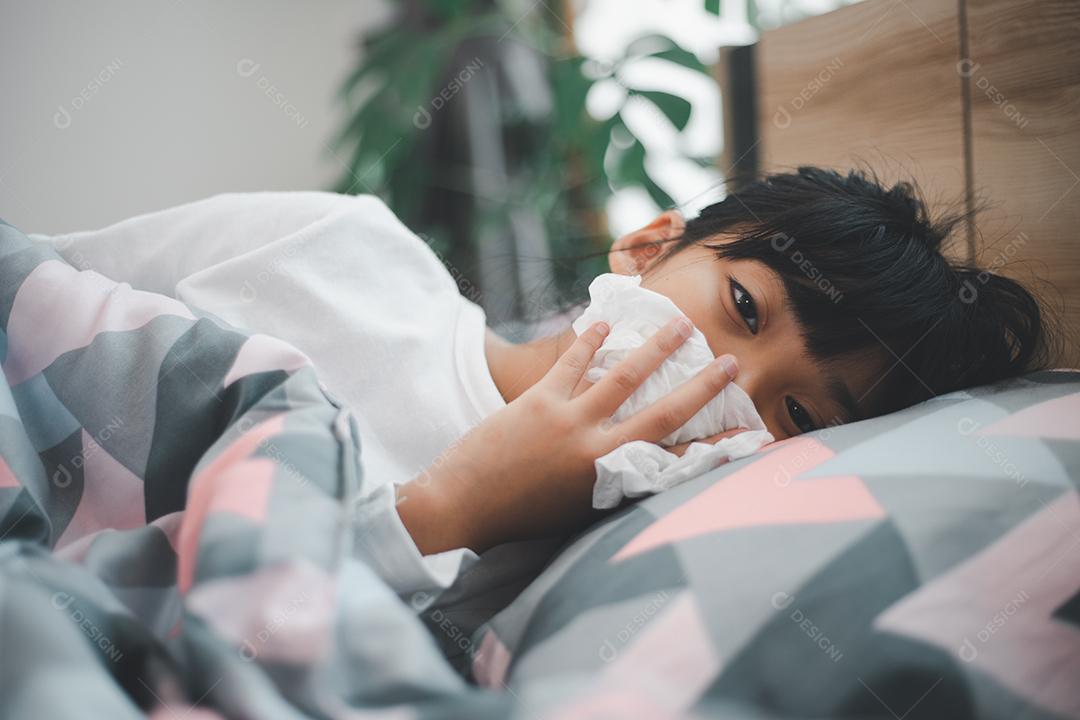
(1024, 75)
(874, 84)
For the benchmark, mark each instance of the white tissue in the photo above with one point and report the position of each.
(639, 468)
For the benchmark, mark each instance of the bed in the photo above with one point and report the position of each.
(925, 564)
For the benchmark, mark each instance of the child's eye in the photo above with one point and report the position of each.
(744, 304)
(799, 416)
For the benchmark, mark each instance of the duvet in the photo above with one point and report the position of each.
(182, 521)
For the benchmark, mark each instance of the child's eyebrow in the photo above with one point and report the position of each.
(840, 394)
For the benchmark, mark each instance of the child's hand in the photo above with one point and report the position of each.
(527, 471)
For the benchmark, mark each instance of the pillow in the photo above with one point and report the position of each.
(921, 564)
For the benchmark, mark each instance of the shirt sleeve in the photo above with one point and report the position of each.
(382, 541)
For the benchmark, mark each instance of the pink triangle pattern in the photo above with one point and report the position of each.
(653, 677)
(766, 492)
(233, 482)
(284, 613)
(262, 353)
(89, 305)
(7, 475)
(112, 496)
(492, 662)
(995, 611)
(1057, 419)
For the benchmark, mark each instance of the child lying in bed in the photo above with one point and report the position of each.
(826, 296)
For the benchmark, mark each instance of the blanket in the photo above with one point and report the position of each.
(182, 521)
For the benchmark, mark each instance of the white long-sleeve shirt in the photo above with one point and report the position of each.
(343, 280)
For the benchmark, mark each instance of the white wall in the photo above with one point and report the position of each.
(110, 109)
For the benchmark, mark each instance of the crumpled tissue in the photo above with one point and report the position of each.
(640, 468)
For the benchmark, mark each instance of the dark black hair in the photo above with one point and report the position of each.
(863, 269)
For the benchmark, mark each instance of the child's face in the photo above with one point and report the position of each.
(739, 305)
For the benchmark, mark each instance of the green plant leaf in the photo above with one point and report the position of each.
(661, 198)
(664, 48)
(630, 167)
(556, 164)
(630, 171)
(675, 108)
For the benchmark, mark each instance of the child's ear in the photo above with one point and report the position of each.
(634, 253)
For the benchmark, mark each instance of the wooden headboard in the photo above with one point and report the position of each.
(978, 100)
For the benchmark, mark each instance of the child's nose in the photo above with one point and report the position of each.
(758, 379)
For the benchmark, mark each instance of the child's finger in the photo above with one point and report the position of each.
(564, 375)
(672, 411)
(605, 397)
(582, 385)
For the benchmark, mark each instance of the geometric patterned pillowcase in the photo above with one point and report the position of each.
(921, 564)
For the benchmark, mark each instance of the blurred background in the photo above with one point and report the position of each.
(517, 137)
